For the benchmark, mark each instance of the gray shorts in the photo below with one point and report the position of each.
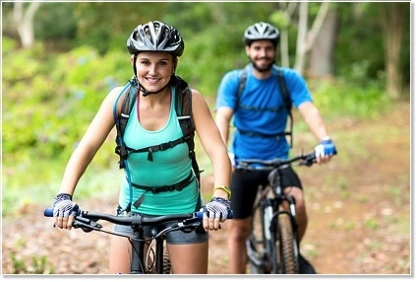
(177, 237)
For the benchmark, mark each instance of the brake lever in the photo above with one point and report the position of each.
(309, 160)
(87, 225)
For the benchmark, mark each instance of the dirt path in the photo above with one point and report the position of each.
(359, 218)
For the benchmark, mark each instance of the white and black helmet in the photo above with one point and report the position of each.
(261, 31)
(155, 36)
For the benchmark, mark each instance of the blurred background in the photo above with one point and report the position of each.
(60, 59)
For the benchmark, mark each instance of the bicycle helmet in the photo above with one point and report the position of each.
(155, 36)
(261, 31)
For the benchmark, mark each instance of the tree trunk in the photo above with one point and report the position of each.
(24, 22)
(302, 31)
(322, 52)
(306, 37)
(284, 34)
(393, 25)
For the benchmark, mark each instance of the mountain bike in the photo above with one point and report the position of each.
(155, 259)
(272, 246)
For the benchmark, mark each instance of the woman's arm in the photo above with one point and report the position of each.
(92, 140)
(212, 143)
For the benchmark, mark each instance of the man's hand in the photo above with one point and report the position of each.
(325, 150)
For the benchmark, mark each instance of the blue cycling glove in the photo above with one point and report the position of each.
(325, 148)
(64, 206)
(218, 207)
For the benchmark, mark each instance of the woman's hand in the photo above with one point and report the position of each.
(216, 212)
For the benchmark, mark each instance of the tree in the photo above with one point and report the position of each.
(306, 37)
(321, 57)
(284, 33)
(24, 21)
(393, 24)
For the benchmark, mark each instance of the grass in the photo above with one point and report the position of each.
(38, 184)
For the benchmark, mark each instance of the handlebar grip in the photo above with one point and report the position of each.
(49, 212)
(200, 214)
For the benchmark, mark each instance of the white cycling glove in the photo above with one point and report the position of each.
(325, 148)
(64, 206)
(218, 207)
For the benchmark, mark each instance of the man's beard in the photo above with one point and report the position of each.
(265, 69)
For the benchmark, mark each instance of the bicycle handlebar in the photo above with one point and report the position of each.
(306, 160)
(137, 219)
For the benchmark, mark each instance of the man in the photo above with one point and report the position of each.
(260, 119)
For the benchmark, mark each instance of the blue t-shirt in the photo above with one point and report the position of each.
(260, 109)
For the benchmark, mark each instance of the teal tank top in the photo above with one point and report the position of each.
(168, 167)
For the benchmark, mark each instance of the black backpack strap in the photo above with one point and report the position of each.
(185, 117)
(242, 83)
(287, 101)
(156, 148)
(128, 103)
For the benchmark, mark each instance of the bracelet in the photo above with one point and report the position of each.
(224, 188)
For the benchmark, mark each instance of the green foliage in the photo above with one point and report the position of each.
(107, 25)
(280, 19)
(345, 98)
(49, 105)
(56, 21)
(360, 41)
(213, 39)
(39, 265)
(199, 68)
(371, 223)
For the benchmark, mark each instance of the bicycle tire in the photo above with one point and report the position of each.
(166, 262)
(256, 245)
(286, 246)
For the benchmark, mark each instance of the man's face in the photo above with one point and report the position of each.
(262, 54)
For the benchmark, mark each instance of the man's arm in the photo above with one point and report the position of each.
(313, 119)
(223, 119)
(326, 149)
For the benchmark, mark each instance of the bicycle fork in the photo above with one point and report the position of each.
(276, 208)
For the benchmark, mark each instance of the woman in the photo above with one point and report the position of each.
(155, 48)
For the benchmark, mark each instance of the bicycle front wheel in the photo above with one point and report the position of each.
(287, 250)
(256, 248)
(166, 261)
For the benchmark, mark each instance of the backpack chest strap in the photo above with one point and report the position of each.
(253, 134)
(156, 148)
(167, 188)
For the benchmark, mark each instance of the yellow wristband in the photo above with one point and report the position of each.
(224, 188)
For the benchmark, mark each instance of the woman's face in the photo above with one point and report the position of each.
(154, 69)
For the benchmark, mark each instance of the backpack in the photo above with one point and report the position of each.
(183, 106)
(285, 95)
